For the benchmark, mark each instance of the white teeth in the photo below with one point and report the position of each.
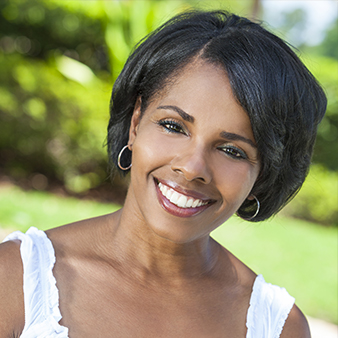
(189, 203)
(174, 197)
(182, 201)
(194, 204)
(168, 194)
(178, 199)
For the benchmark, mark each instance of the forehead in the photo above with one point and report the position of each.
(202, 82)
(201, 76)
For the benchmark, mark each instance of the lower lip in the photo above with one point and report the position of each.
(174, 209)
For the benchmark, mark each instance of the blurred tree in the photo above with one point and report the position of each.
(292, 26)
(42, 28)
(51, 125)
(326, 71)
(256, 8)
(329, 46)
(322, 60)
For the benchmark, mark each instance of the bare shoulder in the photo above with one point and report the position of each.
(12, 315)
(243, 272)
(296, 325)
(79, 236)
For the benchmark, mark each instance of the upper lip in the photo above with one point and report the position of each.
(184, 191)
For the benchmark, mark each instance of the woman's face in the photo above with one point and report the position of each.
(194, 159)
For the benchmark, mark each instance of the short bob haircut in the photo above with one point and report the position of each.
(281, 97)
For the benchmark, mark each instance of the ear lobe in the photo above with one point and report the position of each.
(135, 121)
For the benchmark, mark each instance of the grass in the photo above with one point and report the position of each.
(300, 256)
(20, 210)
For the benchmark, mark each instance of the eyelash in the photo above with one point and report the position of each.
(172, 126)
(234, 152)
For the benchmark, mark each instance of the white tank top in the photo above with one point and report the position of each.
(267, 313)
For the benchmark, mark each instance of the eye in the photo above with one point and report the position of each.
(172, 126)
(234, 152)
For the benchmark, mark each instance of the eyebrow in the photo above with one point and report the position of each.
(236, 137)
(185, 116)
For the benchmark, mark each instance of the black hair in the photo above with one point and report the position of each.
(281, 97)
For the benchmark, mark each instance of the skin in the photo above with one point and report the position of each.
(151, 270)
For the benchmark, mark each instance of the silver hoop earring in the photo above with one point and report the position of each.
(119, 159)
(257, 210)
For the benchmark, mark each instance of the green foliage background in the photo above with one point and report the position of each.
(58, 62)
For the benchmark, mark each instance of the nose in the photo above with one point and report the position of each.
(193, 164)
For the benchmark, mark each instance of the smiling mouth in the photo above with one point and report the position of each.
(180, 200)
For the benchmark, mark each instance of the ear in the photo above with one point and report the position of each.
(134, 123)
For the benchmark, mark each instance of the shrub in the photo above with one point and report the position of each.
(52, 125)
(317, 201)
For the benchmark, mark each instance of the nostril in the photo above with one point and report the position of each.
(189, 175)
(193, 165)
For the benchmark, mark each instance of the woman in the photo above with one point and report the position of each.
(212, 115)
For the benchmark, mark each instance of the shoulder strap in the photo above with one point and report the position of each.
(269, 308)
(41, 295)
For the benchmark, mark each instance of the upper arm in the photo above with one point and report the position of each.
(12, 314)
(296, 325)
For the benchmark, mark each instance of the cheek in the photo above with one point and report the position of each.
(151, 150)
(236, 179)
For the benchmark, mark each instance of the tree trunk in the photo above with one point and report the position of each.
(255, 9)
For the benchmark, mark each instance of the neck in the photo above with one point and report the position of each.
(139, 250)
